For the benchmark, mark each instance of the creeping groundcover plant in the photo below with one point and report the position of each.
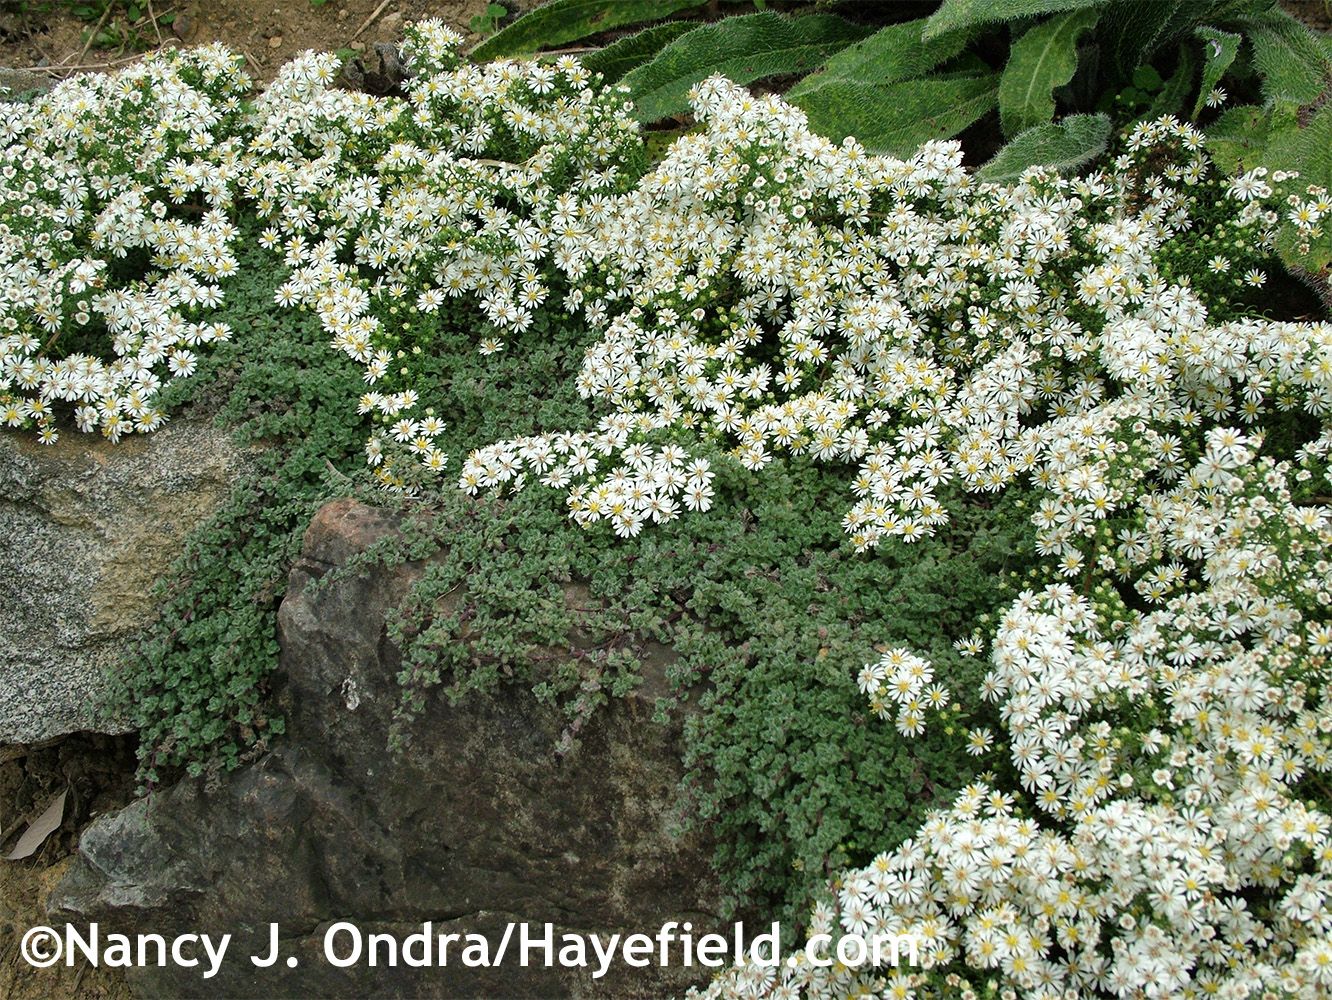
(1150, 813)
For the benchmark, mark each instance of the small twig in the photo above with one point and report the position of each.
(258, 66)
(82, 66)
(369, 20)
(576, 50)
(157, 28)
(96, 31)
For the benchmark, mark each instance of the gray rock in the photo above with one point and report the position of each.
(476, 824)
(22, 84)
(89, 527)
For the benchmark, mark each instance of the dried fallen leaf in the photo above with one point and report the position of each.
(39, 829)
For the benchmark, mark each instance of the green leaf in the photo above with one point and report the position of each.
(897, 52)
(897, 118)
(1044, 58)
(1174, 96)
(1147, 78)
(563, 21)
(744, 49)
(1237, 138)
(1064, 146)
(956, 15)
(1219, 51)
(1131, 33)
(1308, 150)
(620, 57)
(1288, 57)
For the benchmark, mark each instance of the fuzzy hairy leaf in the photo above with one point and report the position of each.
(897, 52)
(743, 49)
(1238, 137)
(1219, 51)
(563, 21)
(1044, 58)
(956, 15)
(1064, 146)
(1133, 32)
(1308, 150)
(1293, 65)
(899, 117)
(621, 56)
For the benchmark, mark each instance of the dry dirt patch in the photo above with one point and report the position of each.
(267, 34)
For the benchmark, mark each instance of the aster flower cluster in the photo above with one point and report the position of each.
(763, 291)
(116, 232)
(1161, 841)
(765, 288)
(387, 210)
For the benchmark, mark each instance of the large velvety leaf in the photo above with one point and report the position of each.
(1308, 150)
(1132, 32)
(1237, 138)
(1065, 146)
(899, 117)
(1289, 58)
(744, 49)
(620, 57)
(1044, 58)
(894, 53)
(563, 21)
(956, 15)
(1219, 51)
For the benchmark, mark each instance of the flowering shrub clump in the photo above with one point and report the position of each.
(1157, 820)
(770, 288)
(385, 209)
(1159, 842)
(115, 196)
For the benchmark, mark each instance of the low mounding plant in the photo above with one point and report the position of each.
(1156, 821)
(385, 209)
(774, 290)
(1169, 833)
(116, 200)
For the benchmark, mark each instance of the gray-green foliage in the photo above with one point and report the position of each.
(1291, 63)
(897, 52)
(881, 91)
(1066, 145)
(1289, 127)
(745, 49)
(1307, 149)
(618, 58)
(1219, 51)
(933, 77)
(561, 21)
(1133, 32)
(1042, 60)
(956, 15)
(899, 117)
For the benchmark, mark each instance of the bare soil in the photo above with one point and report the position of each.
(267, 34)
(97, 775)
